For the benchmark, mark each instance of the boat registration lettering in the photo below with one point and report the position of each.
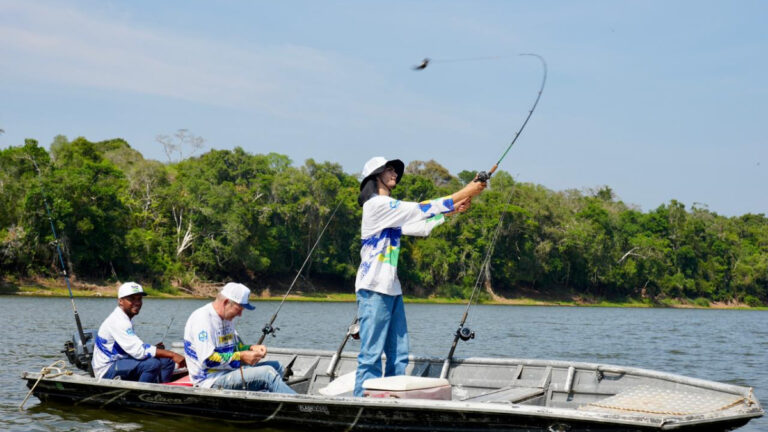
(157, 398)
(314, 409)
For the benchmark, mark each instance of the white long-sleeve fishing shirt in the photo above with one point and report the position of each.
(384, 220)
(117, 340)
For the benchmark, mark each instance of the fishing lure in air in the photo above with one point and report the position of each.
(484, 176)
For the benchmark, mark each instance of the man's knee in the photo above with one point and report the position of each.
(151, 364)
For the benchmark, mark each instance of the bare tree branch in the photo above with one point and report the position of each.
(175, 147)
(630, 252)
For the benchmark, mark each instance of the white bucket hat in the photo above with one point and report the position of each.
(376, 165)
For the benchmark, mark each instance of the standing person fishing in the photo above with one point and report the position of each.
(383, 328)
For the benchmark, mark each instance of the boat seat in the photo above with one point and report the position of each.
(511, 394)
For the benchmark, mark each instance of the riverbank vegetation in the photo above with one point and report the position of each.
(185, 226)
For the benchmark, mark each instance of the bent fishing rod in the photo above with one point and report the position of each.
(484, 176)
(80, 331)
(464, 333)
(268, 328)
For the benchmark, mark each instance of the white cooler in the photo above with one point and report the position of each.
(408, 387)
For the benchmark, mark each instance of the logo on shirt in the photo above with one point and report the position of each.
(202, 336)
(129, 331)
(226, 339)
(394, 204)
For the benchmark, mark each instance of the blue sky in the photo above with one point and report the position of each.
(659, 100)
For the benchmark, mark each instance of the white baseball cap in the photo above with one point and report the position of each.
(238, 293)
(130, 288)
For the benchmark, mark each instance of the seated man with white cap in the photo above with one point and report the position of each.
(215, 354)
(120, 353)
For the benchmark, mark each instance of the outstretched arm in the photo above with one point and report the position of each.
(472, 189)
(177, 358)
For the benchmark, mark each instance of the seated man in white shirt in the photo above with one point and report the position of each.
(120, 353)
(216, 357)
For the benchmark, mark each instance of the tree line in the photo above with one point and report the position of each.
(231, 215)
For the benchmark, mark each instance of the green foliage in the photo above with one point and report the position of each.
(752, 301)
(228, 214)
(701, 302)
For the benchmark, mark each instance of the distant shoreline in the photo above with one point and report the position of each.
(54, 288)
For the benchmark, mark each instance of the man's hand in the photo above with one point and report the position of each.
(471, 189)
(460, 206)
(463, 205)
(478, 185)
(250, 357)
(179, 360)
(262, 349)
(176, 357)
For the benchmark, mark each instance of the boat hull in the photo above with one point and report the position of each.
(312, 411)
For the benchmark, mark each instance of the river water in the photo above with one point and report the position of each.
(722, 345)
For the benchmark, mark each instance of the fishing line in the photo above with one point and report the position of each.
(268, 328)
(484, 176)
(428, 60)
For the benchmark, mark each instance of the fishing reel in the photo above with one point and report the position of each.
(465, 334)
(354, 330)
(483, 176)
(270, 330)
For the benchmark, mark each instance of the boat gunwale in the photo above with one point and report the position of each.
(564, 364)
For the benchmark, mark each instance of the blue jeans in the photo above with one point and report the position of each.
(383, 329)
(152, 370)
(263, 376)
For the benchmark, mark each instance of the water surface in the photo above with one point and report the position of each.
(722, 345)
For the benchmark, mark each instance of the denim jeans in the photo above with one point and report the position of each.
(383, 329)
(151, 370)
(263, 376)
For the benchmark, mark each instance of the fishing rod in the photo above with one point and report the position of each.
(167, 328)
(353, 331)
(465, 333)
(268, 328)
(484, 176)
(83, 360)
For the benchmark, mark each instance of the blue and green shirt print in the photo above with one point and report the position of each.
(385, 220)
(211, 346)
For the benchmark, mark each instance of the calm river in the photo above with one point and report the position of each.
(722, 345)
